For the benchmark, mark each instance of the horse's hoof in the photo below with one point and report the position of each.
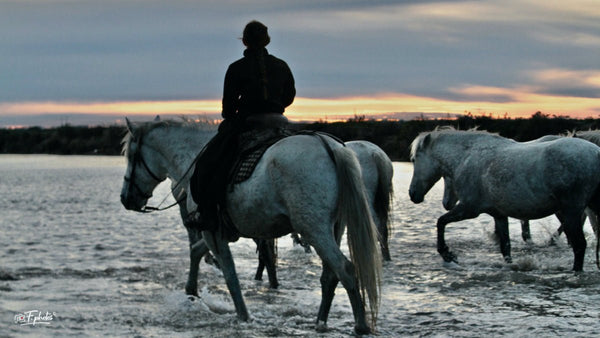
(386, 257)
(508, 259)
(452, 265)
(191, 298)
(191, 292)
(449, 257)
(321, 326)
(362, 330)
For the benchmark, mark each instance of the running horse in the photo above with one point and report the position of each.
(307, 184)
(504, 178)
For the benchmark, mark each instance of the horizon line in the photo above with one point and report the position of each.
(520, 104)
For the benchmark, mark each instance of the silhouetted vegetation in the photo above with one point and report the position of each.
(64, 140)
(394, 137)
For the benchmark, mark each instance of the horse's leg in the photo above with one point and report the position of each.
(270, 253)
(383, 239)
(267, 258)
(501, 225)
(197, 249)
(558, 231)
(329, 282)
(593, 217)
(458, 213)
(220, 248)
(261, 262)
(336, 267)
(574, 231)
(343, 268)
(525, 231)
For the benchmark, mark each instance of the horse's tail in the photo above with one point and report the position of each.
(353, 212)
(385, 190)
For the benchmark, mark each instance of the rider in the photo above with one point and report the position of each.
(257, 85)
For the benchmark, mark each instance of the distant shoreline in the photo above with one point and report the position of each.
(394, 137)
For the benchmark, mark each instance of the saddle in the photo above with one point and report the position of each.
(252, 145)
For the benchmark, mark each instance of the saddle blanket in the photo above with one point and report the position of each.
(252, 146)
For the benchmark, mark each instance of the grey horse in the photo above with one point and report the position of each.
(504, 178)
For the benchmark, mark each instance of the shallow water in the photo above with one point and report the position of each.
(69, 250)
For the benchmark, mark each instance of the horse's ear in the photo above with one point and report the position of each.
(157, 118)
(426, 140)
(129, 126)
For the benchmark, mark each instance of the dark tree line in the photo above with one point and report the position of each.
(64, 140)
(394, 137)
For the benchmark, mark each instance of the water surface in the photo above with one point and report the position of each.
(68, 248)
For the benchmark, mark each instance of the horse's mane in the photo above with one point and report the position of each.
(418, 142)
(142, 128)
(588, 135)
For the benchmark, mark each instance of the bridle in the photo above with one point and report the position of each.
(137, 157)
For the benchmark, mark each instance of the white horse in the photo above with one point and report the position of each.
(296, 186)
(377, 173)
(591, 136)
(450, 199)
(505, 178)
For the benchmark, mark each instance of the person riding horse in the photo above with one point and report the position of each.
(257, 89)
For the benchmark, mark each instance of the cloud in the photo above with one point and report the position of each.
(518, 101)
(90, 51)
(484, 94)
(567, 82)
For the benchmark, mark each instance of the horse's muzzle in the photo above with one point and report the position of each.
(129, 204)
(414, 197)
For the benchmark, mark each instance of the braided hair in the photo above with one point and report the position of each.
(257, 37)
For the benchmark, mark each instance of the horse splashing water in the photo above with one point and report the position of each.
(377, 173)
(297, 186)
(504, 178)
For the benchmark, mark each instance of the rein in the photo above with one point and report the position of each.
(137, 157)
(148, 209)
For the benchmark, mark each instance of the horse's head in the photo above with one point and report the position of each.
(426, 170)
(143, 172)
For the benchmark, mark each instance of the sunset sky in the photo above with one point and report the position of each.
(116, 58)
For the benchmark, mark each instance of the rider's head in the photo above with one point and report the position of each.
(256, 35)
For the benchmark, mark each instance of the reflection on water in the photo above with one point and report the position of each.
(70, 248)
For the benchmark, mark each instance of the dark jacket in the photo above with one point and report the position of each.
(252, 89)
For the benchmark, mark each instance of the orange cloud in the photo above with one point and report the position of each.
(518, 102)
(114, 108)
(575, 77)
